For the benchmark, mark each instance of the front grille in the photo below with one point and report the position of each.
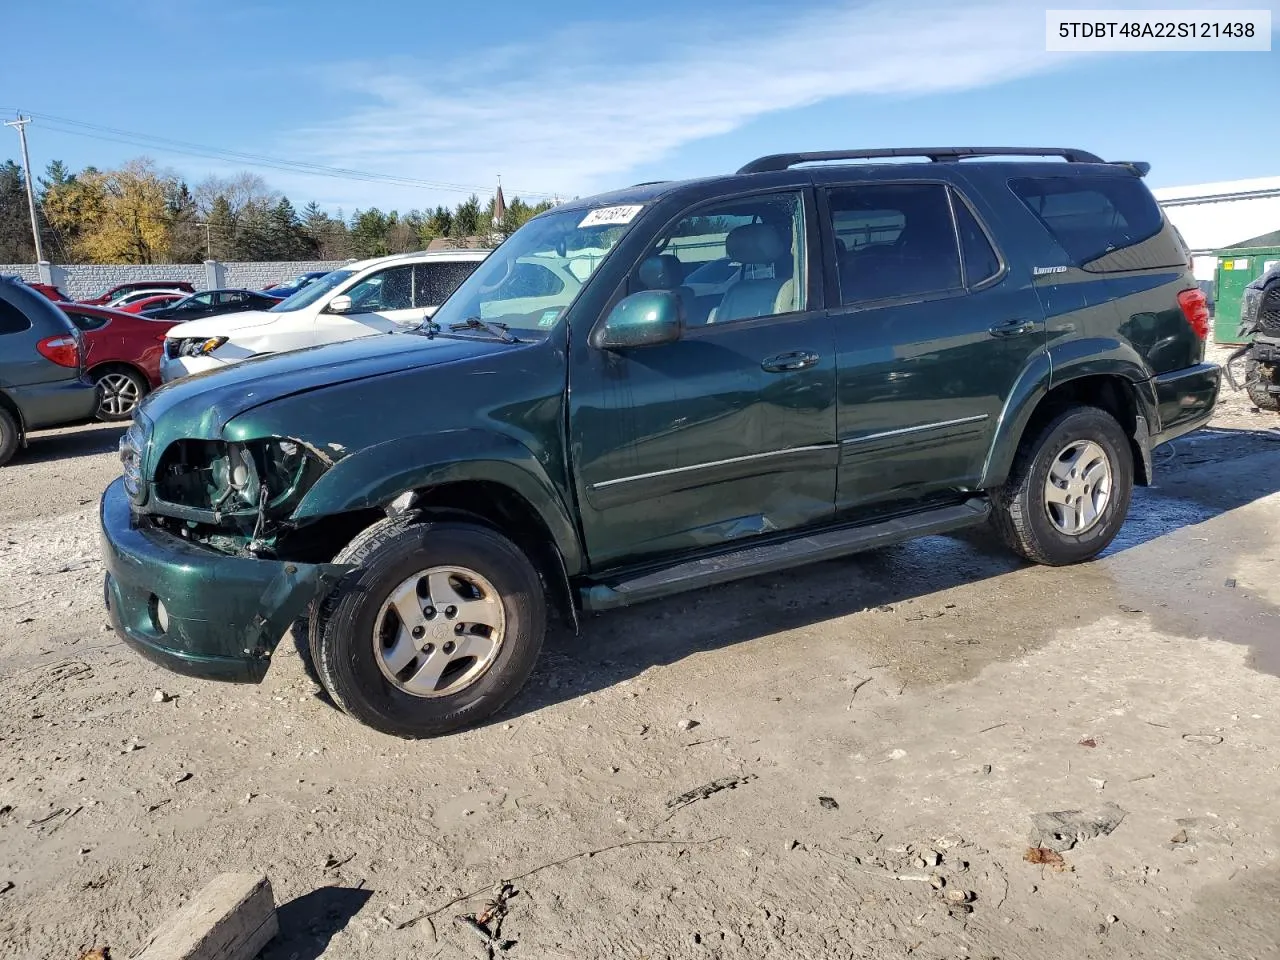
(1269, 312)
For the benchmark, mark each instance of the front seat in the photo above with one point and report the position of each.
(666, 272)
(757, 244)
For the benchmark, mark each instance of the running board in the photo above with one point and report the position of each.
(769, 557)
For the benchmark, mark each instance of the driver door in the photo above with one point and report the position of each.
(730, 431)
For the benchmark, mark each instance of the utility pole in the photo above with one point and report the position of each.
(21, 124)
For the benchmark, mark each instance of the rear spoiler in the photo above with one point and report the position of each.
(1139, 168)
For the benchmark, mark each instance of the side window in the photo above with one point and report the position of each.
(980, 260)
(893, 240)
(1091, 216)
(198, 301)
(434, 283)
(231, 297)
(12, 320)
(390, 289)
(756, 245)
(87, 322)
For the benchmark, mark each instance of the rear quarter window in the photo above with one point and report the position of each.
(12, 320)
(1091, 217)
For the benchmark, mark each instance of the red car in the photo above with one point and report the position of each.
(177, 286)
(150, 303)
(122, 355)
(49, 290)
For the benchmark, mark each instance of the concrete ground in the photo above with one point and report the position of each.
(884, 732)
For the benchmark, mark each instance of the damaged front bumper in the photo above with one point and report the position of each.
(194, 610)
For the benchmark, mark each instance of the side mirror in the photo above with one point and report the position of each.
(340, 304)
(644, 319)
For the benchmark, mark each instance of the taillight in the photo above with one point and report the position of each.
(1195, 307)
(64, 350)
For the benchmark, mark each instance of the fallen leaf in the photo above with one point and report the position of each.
(1046, 857)
(828, 803)
(97, 953)
(1088, 742)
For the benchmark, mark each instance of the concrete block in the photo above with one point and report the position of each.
(232, 918)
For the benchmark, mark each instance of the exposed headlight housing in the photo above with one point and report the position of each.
(211, 480)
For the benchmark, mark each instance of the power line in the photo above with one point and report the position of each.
(132, 138)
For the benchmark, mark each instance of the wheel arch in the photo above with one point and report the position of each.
(1119, 384)
(488, 477)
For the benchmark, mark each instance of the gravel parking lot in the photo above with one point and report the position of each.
(876, 738)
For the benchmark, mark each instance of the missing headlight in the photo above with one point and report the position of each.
(256, 480)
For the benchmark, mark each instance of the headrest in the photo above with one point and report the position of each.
(661, 273)
(754, 243)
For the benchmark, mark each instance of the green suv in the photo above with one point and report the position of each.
(656, 390)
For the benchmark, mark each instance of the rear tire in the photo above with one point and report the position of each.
(10, 436)
(120, 390)
(487, 631)
(1069, 490)
(1257, 377)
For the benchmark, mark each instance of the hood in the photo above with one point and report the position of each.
(200, 405)
(224, 325)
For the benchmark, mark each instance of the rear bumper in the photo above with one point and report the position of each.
(52, 404)
(193, 610)
(1185, 400)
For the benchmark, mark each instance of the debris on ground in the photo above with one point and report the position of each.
(707, 789)
(160, 697)
(96, 953)
(6, 886)
(1210, 738)
(1046, 857)
(828, 803)
(1088, 741)
(1179, 837)
(1063, 829)
(687, 724)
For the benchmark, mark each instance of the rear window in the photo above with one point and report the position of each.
(1091, 216)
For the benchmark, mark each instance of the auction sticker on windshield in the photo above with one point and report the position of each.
(603, 215)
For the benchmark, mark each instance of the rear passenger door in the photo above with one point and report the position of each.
(929, 343)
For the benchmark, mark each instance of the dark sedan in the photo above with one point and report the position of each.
(211, 303)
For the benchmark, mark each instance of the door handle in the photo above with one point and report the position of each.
(786, 362)
(1013, 328)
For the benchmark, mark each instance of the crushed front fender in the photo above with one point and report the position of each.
(194, 610)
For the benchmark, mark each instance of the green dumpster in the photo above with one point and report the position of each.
(1237, 268)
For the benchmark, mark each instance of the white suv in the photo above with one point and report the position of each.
(358, 300)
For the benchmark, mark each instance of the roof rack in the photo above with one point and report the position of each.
(784, 161)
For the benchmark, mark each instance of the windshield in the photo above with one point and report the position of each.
(529, 281)
(312, 292)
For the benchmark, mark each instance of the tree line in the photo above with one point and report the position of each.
(140, 214)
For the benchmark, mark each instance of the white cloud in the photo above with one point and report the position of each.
(574, 112)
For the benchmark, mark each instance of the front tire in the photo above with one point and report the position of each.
(1069, 490)
(10, 436)
(438, 627)
(1257, 377)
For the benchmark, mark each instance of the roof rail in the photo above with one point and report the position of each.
(784, 161)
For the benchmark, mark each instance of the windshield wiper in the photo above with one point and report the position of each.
(427, 328)
(499, 330)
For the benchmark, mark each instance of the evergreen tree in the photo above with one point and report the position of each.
(186, 236)
(466, 218)
(16, 245)
(222, 228)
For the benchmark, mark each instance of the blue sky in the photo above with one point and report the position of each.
(569, 103)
